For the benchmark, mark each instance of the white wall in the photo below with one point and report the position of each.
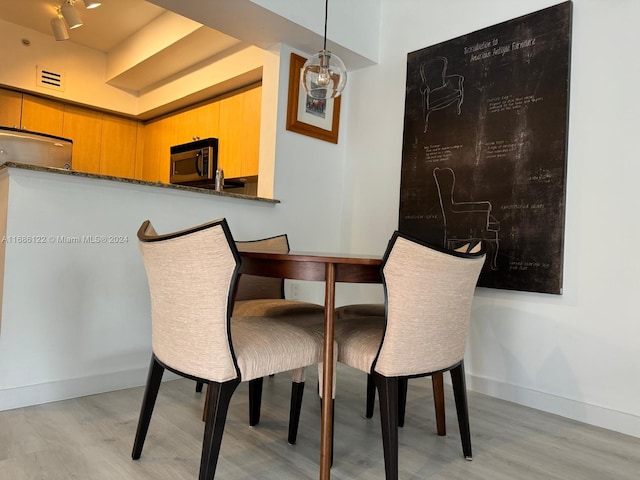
(577, 354)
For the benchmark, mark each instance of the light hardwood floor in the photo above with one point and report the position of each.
(90, 438)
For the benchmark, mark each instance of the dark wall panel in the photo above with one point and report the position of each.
(485, 146)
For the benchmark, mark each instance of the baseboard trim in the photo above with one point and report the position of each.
(29, 395)
(622, 422)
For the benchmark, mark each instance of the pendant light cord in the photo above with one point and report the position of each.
(326, 10)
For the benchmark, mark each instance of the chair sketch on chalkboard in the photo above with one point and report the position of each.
(466, 221)
(438, 89)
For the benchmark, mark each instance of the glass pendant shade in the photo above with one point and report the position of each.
(71, 15)
(324, 75)
(59, 28)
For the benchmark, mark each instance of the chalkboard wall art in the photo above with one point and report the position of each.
(485, 147)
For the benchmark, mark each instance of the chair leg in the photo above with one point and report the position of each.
(255, 401)
(388, 394)
(199, 386)
(437, 382)
(154, 378)
(462, 409)
(297, 391)
(403, 383)
(219, 396)
(371, 396)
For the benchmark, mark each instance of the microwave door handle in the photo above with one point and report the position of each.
(198, 162)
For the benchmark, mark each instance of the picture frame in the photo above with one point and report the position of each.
(315, 118)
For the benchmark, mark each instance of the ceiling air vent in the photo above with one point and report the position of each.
(49, 78)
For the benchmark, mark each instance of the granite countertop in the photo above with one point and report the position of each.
(204, 191)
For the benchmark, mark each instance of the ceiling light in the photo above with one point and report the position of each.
(70, 14)
(88, 4)
(59, 28)
(324, 75)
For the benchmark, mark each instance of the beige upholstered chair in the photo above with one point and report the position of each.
(257, 296)
(191, 276)
(377, 310)
(428, 295)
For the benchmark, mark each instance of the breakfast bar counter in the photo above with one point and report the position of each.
(75, 314)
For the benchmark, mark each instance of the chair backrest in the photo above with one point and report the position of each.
(191, 274)
(251, 287)
(429, 292)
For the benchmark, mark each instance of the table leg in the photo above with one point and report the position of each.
(437, 381)
(326, 430)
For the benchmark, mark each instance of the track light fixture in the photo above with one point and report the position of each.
(59, 28)
(67, 17)
(70, 14)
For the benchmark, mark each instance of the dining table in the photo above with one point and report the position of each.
(330, 268)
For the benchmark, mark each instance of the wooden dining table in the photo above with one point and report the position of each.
(331, 269)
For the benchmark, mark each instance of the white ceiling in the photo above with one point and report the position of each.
(111, 26)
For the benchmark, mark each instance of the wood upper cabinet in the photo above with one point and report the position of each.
(159, 136)
(197, 123)
(10, 108)
(240, 132)
(234, 119)
(207, 119)
(230, 141)
(108, 144)
(251, 118)
(118, 146)
(103, 143)
(42, 115)
(84, 127)
(32, 113)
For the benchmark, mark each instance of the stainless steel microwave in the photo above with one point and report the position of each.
(195, 163)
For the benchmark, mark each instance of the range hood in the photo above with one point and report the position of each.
(22, 146)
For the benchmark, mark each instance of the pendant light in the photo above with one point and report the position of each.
(324, 75)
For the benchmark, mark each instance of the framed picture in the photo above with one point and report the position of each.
(485, 147)
(309, 116)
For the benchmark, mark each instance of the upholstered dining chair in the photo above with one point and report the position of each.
(191, 276)
(257, 296)
(377, 310)
(428, 294)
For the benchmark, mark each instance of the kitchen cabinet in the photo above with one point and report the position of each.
(32, 113)
(42, 115)
(240, 132)
(199, 122)
(230, 144)
(10, 108)
(103, 143)
(139, 150)
(84, 127)
(118, 146)
(159, 135)
(108, 144)
(251, 119)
